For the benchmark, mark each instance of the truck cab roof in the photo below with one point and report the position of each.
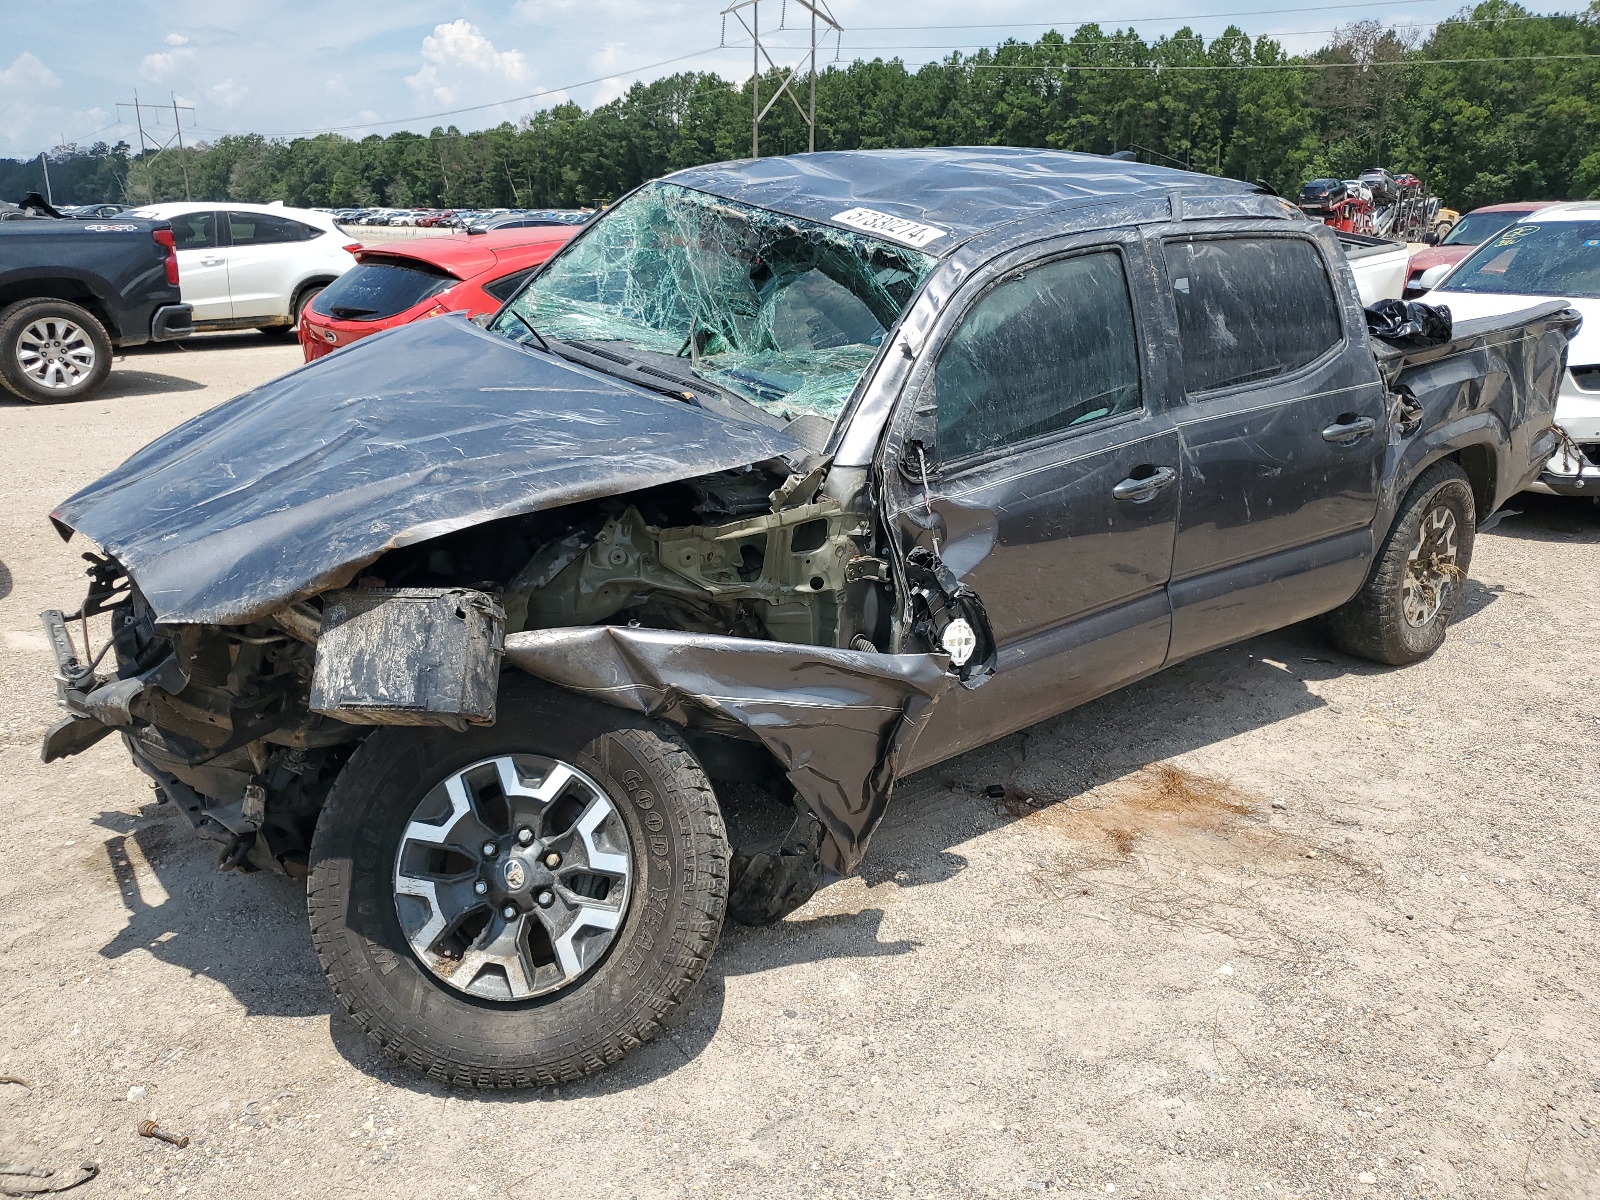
(954, 193)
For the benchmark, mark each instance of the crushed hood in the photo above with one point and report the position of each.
(290, 489)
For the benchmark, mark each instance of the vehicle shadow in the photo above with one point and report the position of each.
(241, 339)
(1531, 516)
(123, 383)
(249, 933)
(6, 582)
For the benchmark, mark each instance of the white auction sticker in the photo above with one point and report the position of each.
(870, 220)
(111, 229)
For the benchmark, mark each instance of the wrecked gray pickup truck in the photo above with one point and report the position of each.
(787, 476)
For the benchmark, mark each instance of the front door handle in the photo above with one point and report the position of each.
(1141, 487)
(1348, 428)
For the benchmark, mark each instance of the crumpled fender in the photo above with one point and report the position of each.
(839, 722)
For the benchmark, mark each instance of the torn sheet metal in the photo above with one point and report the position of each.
(840, 722)
(409, 656)
(290, 489)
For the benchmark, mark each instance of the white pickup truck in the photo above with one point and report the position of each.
(1379, 266)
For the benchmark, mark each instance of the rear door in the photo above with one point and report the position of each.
(202, 265)
(265, 259)
(1283, 432)
(1051, 486)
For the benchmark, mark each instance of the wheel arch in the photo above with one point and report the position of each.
(70, 289)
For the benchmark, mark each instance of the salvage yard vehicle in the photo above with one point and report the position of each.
(253, 266)
(787, 476)
(428, 277)
(71, 291)
(1463, 235)
(1552, 253)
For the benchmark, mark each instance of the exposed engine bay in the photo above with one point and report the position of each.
(245, 727)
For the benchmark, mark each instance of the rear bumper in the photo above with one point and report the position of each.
(1566, 477)
(171, 322)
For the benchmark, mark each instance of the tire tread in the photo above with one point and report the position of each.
(686, 959)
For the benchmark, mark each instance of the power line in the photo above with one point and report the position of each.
(1255, 12)
(454, 112)
(1283, 66)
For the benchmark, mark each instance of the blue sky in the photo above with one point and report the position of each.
(284, 67)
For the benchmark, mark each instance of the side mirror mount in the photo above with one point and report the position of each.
(1434, 276)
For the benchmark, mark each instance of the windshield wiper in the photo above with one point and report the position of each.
(641, 369)
(537, 335)
(347, 313)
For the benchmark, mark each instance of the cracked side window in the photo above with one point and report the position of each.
(1250, 309)
(787, 313)
(1040, 352)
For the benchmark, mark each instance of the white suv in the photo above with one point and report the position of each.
(253, 266)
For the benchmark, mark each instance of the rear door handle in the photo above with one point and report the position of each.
(1139, 489)
(1349, 430)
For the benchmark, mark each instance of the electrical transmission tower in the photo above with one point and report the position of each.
(822, 24)
(152, 141)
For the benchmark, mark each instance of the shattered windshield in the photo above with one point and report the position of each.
(784, 312)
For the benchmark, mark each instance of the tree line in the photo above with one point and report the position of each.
(1494, 104)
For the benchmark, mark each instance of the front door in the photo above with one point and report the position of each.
(1051, 484)
(1283, 434)
(202, 265)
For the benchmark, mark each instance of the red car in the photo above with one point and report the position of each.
(399, 282)
(1477, 227)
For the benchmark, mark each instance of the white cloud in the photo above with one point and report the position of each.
(21, 85)
(227, 93)
(156, 67)
(177, 39)
(458, 60)
(607, 91)
(610, 56)
(27, 72)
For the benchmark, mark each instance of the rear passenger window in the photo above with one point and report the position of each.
(1041, 352)
(1250, 309)
(194, 230)
(264, 229)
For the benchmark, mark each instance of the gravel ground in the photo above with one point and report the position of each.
(1274, 923)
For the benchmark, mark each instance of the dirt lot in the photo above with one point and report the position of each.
(1274, 923)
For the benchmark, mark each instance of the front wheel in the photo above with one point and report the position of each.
(1417, 582)
(518, 905)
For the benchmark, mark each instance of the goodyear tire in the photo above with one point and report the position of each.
(1418, 580)
(523, 904)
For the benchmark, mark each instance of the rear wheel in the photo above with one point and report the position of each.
(52, 350)
(301, 299)
(1417, 583)
(523, 904)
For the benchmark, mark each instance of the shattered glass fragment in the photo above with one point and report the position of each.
(785, 312)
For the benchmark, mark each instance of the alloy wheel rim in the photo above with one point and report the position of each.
(55, 353)
(513, 877)
(1431, 569)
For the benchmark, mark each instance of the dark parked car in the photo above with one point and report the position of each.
(529, 220)
(1322, 194)
(71, 290)
(760, 482)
